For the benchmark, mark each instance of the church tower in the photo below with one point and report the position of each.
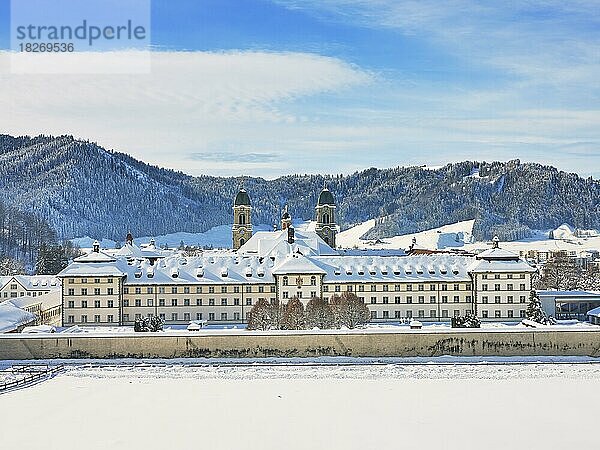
(286, 219)
(326, 227)
(242, 224)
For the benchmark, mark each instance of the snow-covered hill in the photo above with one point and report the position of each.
(459, 235)
(448, 236)
(216, 237)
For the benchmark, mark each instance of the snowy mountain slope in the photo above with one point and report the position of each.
(81, 189)
(459, 236)
(455, 235)
(216, 237)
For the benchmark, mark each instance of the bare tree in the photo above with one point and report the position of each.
(319, 314)
(560, 273)
(293, 315)
(276, 315)
(349, 311)
(259, 318)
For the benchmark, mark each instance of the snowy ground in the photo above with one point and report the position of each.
(389, 327)
(378, 406)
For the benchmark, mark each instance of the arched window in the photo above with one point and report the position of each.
(242, 219)
(313, 280)
(285, 281)
(326, 240)
(326, 218)
(242, 241)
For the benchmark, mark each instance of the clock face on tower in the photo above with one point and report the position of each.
(242, 232)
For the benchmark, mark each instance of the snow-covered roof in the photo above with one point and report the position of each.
(511, 266)
(569, 294)
(32, 282)
(400, 268)
(594, 312)
(498, 254)
(132, 250)
(214, 268)
(295, 263)
(113, 267)
(275, 243)
(46, 301)
(12, 317)
(95, 257)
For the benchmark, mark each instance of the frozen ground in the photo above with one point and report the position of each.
(390, 405)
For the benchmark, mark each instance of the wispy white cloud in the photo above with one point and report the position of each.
(190, 102)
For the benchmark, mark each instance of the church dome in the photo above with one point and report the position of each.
(326, 198)
(242, 198)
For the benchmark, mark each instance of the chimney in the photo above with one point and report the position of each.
(129, 238)
(495, 242)
(290, 231)
(96, 247)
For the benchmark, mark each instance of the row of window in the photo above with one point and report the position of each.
(509, 276)
(420, 299)
(196, 289)
(509, 287)
(95, 280)
(421, 314)
(13, 294)
(326, 288)
(509, 299)
(313, 280)
(175, 317)
(85, 291)
(163, 302)
(398, 287)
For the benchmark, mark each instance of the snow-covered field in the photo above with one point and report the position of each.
(449, 236)
(459, 235)
(391, 405)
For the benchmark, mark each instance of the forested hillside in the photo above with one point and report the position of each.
(78, 188)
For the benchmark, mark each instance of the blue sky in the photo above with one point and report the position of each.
(266, 88)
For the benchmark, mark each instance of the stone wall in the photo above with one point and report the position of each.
(298, 344)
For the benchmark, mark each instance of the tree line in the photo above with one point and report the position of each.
(343, 311)
(80, 189)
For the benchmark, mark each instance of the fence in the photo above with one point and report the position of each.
(32, 374)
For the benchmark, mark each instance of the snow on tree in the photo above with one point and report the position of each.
(148, 324)
(535, 313)
(469, 320)
(51, 259)
(9, 266)
(590, 279)
(293, 315)
(319, 314)
(349, 311)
